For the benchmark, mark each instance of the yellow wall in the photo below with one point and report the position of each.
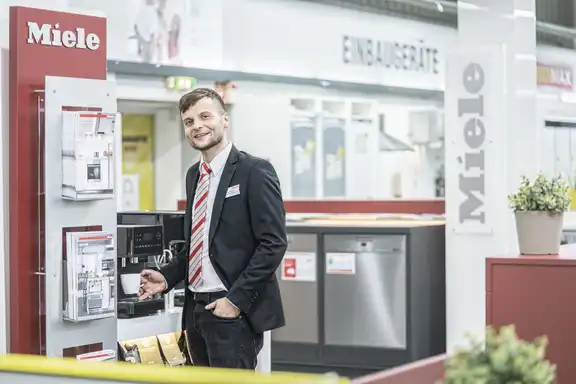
(138, 156)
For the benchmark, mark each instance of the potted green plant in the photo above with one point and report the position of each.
(539, 207)
(502, 359)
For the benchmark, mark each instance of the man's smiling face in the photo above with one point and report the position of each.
(204, 124)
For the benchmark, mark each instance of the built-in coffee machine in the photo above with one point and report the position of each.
(172, 223)
(138, 247)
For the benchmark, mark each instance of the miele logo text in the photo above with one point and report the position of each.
(471, 178)
(52, 35)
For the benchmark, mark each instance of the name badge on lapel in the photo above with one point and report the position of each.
(233, 191)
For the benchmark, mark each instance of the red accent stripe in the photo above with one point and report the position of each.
(202, 190)
(194, 264)
(198, 224)
(433, 206)
(97, 356)
(201, 199)
(195, 250)
(197, 281)
(202, 184)
(96, 115)
(196, 274)
(208, 170)
(97, 237)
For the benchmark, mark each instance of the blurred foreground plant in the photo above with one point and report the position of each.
(502, 359)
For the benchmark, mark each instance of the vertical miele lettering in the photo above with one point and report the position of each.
(471, 177)
(345, 49)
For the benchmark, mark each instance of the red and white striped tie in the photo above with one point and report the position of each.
(198, 225)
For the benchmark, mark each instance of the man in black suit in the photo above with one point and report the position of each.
(235, 232)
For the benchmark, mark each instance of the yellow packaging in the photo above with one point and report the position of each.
(187, 346)
(169, 347)
(147, 348)
(178, 335)
(183, 345)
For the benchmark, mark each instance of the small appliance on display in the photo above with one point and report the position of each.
(88, 155)
(139, 247)
(172, 223)
(90, 276)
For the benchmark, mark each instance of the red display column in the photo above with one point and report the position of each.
(41, 43)
(537, 294)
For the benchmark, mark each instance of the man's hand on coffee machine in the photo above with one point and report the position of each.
(151, 283)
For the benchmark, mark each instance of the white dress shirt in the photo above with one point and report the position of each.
(210, 280)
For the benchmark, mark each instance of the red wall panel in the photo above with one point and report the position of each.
(425, 206)
(426, 371)
(29, 64)
(536, 293)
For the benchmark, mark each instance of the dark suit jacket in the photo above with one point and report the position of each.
(247, 238)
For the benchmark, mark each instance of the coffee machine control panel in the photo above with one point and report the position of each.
(139, 240)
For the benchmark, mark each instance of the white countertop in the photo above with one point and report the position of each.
(139, 327)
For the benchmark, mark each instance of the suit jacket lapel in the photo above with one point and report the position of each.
(190, 203)
(225, 180)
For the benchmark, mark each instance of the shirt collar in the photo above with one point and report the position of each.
(217, 164)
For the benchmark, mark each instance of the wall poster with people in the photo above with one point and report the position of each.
(184, 33)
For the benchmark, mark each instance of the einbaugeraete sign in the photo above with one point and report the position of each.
(396, 55)
(52, 35)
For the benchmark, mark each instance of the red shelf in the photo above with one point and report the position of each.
(538, 295)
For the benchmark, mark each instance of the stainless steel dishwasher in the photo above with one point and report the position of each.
(299, 290)
(365, 291)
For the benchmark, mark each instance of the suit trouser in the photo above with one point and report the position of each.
(216, 341)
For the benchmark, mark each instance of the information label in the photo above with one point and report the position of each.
(341, 263)
(299, 266)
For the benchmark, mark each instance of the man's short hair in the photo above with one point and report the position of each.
(191, 98)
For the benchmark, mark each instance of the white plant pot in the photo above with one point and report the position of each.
(539, 232)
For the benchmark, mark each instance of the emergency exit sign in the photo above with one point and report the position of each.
(180, 83)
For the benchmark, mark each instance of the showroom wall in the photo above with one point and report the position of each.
(393, 63)
(304, 39)
(404, 58)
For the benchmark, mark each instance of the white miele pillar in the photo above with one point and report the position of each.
(491, 140)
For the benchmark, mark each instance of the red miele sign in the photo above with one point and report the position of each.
(559, 76)
(52, 35)
(34, 34)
